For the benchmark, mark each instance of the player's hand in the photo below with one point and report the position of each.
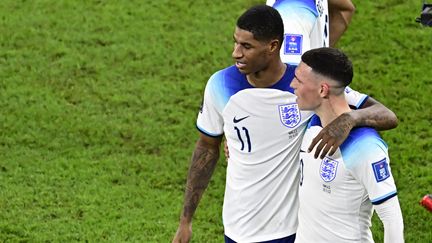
(183, 234)
(226, 151)
(332, 136)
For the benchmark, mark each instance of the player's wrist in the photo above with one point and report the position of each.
(352, 120)
(185, 221)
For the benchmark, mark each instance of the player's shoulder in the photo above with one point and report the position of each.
(227, 82)
(364, 135)
(362, 145)
(308, 3)
(296, 5)
(364, 138)
(358, 137)
(224, 75)
(230, 70)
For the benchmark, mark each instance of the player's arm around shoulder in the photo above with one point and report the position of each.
(203, 163)
(371, 113)
(374, 114)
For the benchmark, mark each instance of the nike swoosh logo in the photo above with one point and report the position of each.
(239, 120)
(302, 151)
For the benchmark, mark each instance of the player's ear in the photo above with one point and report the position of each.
(325, 90)
(274, 46)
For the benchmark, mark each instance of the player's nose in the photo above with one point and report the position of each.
(293, 83)
(236, 54)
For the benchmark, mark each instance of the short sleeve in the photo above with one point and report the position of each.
(210, 121)
(373, 171)
(355, 98)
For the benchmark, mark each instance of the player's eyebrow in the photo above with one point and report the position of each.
(242, 43)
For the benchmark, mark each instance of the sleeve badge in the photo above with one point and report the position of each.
(381, 170)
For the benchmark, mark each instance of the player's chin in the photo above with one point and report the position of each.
(243, 71)
(300, 104)
(304, 107)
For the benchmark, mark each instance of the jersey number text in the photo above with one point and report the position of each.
(246, 134)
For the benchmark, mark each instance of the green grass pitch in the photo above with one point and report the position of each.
(98, 101)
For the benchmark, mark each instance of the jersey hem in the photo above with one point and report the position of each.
(260, 238)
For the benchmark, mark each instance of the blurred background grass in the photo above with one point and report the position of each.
(99, 100)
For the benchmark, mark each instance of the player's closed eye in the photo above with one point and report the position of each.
(298, 80)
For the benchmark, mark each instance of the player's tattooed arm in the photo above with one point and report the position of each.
(374, 114)
(371, 114)
(203, 163)
(204, 159)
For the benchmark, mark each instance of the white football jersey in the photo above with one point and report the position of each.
(337, 193)
(306, 26)
(264, 129)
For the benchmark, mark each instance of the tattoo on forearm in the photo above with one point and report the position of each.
(343, 127)
(200, 172)
(376, 115)
(379, 122)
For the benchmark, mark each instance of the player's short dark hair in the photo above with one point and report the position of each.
(263, 21)
(330, 62)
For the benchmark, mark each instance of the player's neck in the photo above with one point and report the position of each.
(331, 108)
(269, 76)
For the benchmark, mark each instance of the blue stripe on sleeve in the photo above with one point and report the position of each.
(202, 130)
(360, 104)
(384, 198)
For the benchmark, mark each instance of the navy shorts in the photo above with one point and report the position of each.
(288, 239)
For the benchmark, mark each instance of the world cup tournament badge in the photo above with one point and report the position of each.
(289, 115)
(293, 44)
(328, 169)
(381, 170)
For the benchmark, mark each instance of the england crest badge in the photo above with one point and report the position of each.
(328, 169)
(289, 115)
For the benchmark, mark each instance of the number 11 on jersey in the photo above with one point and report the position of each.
(301, 172)
(244, 132)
